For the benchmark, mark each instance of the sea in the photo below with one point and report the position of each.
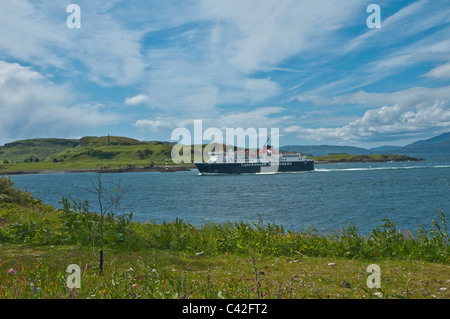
(329, 198)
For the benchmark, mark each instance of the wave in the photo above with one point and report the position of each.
(376, 168)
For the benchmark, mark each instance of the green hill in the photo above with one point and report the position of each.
(89, 152)
(34, 150)
(94, 141)
(113, 152)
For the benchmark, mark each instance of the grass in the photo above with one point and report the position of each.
(41, 148)
(40, 272)
(86, 153)
(232, 260)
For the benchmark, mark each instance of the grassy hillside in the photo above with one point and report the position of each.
(86, 153)
(34, 150)
(118, 152)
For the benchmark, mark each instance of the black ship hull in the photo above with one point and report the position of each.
(245, 168)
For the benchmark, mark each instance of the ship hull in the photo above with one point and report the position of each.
(253, 168)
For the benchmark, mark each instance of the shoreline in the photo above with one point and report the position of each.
(161, 169)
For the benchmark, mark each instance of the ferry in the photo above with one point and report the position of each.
(265, 161)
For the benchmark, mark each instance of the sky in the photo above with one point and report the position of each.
(314, 69)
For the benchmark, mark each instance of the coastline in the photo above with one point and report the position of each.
(161, 169)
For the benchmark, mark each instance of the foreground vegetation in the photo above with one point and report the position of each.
(233, 260)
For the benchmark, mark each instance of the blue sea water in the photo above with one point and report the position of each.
(331, 197)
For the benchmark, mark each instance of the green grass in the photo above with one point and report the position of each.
(40, 272)
(232, 260)
(133, 154)
(86, 153)
(39, 149)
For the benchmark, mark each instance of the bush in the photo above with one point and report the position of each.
(82, 226)
(10, 194)
(102, 154)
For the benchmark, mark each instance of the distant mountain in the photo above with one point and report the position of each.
(319, 150)
(435, 145)
(437, 139)
(438, 145)
(384, 149)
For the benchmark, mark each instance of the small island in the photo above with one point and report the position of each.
(347, 158)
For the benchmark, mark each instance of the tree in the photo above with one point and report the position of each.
(108, 207)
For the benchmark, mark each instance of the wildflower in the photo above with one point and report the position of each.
(11, 271)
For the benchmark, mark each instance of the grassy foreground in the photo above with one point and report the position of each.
(234, 260)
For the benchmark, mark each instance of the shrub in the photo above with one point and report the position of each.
(10, 194)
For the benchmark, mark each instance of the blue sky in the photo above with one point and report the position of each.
(140, 69)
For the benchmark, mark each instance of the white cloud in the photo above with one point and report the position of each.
(224, 62)
(137, 100)
(36, 33)
(403, 113)
(441, 72)
(263, 117)
(408, 97)
(32, 106)
(162, 123)
(263, 33)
